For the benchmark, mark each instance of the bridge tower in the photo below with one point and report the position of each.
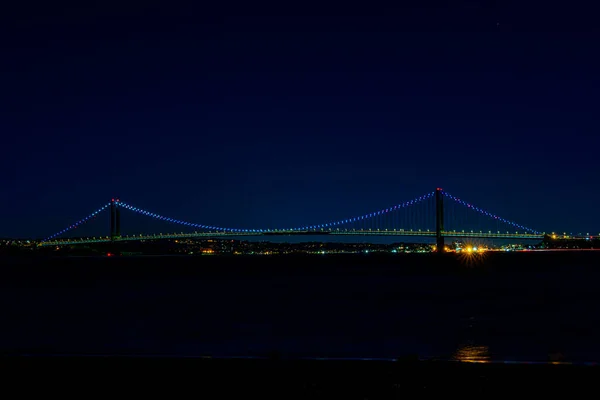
(115, 219)
(439, 220)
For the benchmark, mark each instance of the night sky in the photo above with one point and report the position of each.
(253, 116)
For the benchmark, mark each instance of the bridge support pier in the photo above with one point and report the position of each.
(439, 220)
(115, 219)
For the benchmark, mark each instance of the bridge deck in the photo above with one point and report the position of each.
(399, 233)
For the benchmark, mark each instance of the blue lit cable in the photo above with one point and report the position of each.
(80, 222)
(302, 228)
(369, 215)
(486, 213)
(176, 221)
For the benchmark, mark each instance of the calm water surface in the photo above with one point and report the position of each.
(378, 309)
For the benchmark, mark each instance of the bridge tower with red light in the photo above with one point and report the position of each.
(115, 219)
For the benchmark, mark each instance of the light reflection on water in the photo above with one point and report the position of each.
(472, 353)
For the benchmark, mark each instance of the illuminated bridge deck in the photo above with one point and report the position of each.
(423, 216)
(353, 232)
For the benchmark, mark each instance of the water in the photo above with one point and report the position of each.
(516, 307)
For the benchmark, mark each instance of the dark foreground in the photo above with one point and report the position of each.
(408, 322)
(224, 378)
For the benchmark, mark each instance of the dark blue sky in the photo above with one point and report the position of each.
(262, 117)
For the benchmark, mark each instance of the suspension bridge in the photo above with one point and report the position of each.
(437, 214)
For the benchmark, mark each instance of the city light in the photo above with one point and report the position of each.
(472, 255)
